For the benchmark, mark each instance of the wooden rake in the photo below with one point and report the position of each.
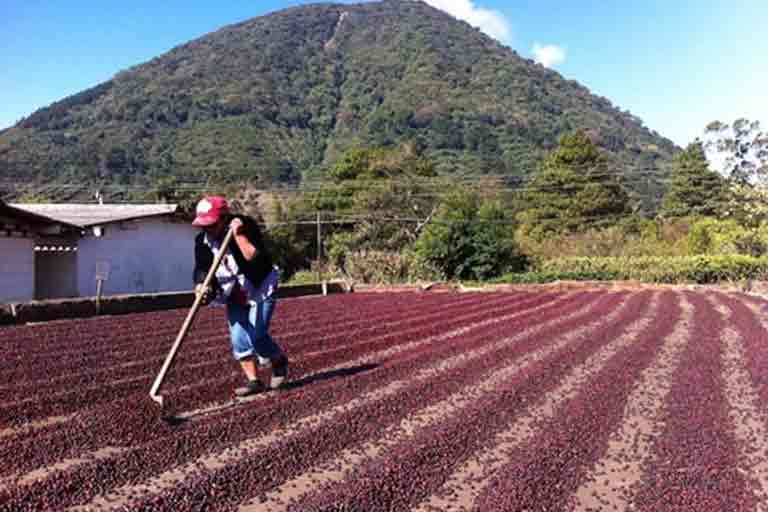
(153, 393)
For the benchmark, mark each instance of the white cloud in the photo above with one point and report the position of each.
(493, 23)
(548, 55)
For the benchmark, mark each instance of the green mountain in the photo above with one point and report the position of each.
(275, 98)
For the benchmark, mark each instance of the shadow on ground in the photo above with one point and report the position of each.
(333, 374)
(291, 385)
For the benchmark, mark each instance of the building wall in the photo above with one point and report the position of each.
(144, 256)
(17, 269)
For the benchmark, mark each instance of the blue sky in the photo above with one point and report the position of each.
(677, 64)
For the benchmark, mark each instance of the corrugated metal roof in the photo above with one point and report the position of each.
(31, 216)
(85, 215)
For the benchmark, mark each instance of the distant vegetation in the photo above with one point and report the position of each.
(276, 99)
(421, 148)
(572, 220)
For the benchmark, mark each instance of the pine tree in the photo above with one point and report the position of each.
(694, 189)
(573, 191)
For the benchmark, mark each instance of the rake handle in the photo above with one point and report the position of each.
(188, 322)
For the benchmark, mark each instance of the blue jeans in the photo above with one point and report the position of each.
(249, 330)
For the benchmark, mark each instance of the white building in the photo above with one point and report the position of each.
(18, 262)
(146, 248)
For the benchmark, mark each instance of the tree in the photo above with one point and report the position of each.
(572, 191)
(748, 205)
(694, 189)
(575, 151)
(493, 239)
(470, 238)
(168, 189)
(378, 163)
(289, 244)
(715, 236)
(744, 148)
(375, 199)
(377, 187)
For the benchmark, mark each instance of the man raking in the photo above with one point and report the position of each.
(245, 284)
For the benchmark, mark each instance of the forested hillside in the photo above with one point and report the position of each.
(278, 98)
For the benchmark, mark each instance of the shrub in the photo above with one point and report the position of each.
(470, 238)
(688, 269)
(633, 237)
(713, 236)
(377, 267)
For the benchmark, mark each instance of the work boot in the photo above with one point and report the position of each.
(253, 387)
(279, 372)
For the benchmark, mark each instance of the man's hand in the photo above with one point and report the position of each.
(208, 294)
(241, 239)
(238, 226)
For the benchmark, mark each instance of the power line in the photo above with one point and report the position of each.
(339, 187)
(347, 220)
(618, 174)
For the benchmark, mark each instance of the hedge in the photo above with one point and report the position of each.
(702, 269)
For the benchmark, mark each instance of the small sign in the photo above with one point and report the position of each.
(102, 270)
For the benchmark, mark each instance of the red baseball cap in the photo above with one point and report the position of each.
(209, 210)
